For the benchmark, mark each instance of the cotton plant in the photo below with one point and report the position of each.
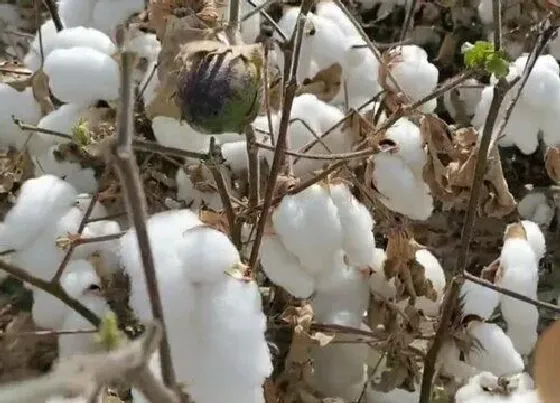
(20, 105)
(203, 304)
(488, 388)
(410, 72)
(537, 107)
(316, 233)
(398, 176)
(197, 188)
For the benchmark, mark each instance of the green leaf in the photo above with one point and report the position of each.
(81, 134)
(497, 66)
(483, 56)
(109, 336)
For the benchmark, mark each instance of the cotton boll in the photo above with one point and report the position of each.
(362, 79)
(64, 119)
(144, 45)
(78, 279)
(333, 13)
(83, 179)
(164, 229)
(357, 225)
(474, 390)
(469, 94)
(401, 191)
(108, 250)
(76, 12)
(33, 58)
(208, 252)
(228, 346)
(543, 85)
(535, 237)
(411, 144)
(40, 203)
(434, 273)
(450, 363)
(82, 75)
(496, 353)
(309, 227)
(415, 76)
(82, 203)
(172, 133)
(478, 300)
(284, 269)
(107, 14)
(378, 283)
(235, 155)
(83, 36)
(21, 105)
(523, 337)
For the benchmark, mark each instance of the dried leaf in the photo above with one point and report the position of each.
(214, 219)
(41, 91)
(552, 162)
(322, 338)
(325, 85)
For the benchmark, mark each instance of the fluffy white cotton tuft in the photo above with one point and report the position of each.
(19, 105)
(357, 226)
(197, 196)
(433, 272)
(172, 133)
(535, 237)
(534, 207)
(411, 144)
(76, 12)
(107, 14)
(468, 95)
(33, 58)
(82, 75)
(309, 227)
(478, 300)
(284, 269)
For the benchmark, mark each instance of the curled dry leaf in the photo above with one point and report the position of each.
(325, 85)
(547, 364)
(449, 171)
(15, 168)
(214, 219)
(552, 163)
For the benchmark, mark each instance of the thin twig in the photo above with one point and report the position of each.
(53, 11)
(509, 293)
(37, 12)
(81, 227)
(258, 9)
(53, 289)
(253, 166)
(266, 84)
(328, 157)
(497, 24)
(411, 5)
(44, 333)
(125, 164)
(452, 295)
(279, 157)
(270, 21)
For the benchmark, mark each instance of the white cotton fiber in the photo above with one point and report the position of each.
(82, 179)
(357, 226)
(534, 207)
(449, 362)
(83, 36)
(362, 80)
(108, 250)
(82, 75)
(107, 14)
(469, 95)
(209, 253)
(195, 198)
(535, 237)
(235, 155)
(394, 396)
(284, 269)
(434, 273)
(411, 144)
(524, 337)
(172, 133)
(496, 353)
(19, 105)
(478, 300)
(309, 227)
(63, 120)
(378, 283)
(33, 58)
(40, 203)
(400, 189)
(76, 12)
(144, 45)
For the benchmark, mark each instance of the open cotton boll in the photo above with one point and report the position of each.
(20, 105)
(400, 189)
(144, 45)
(411, 144)
(523, 337)
(433, 272)
(78, 279)
(76, 12)
(287, 24)
(496, 353)
(309, 227)
(235, 155)
(449, 362)
(357, 226)
(530, 205)
(535, 237)
(543, 85)
(362, 80)
(208, 253)
(378, 283)
(415, 76)
(195, 198)
(476, 387)
(107, 14)
(172, 133)
(469, 94)
(284, 269)
(82, 75)
(42, 201)
(224, 351)
(164, 229)
(108, 250)
(33, 58)
(83, 179)
(478, 300)
(83, 36)
(63, 120)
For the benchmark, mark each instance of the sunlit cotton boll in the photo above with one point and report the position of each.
(309, 227)
(33, 58)
(478, 300)
(107, 14)
(411, 144)
(433, 272)
(468, 95)
(76, 12)
(82, 75)
(535, 237)
(20, 105)
(285, 269)
(172, 133)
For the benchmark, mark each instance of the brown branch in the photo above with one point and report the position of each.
(43, 333)
(271, 21)
(70, 251)
(509, 293)
(453, 292)
(279, 157)
(55, 290)
(329, 157)
(122, 156)
(53, 11)
(266, 83)
(253, 166)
